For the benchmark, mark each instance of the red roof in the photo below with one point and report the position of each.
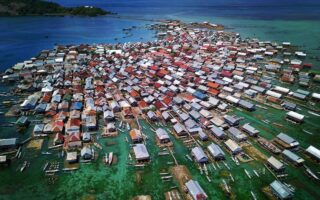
(157, 85)
(226, 73)
(170, 94)
(307, 65)
(129, 69)
(158, 105)
(142, 104)
(74, 137)
(213, 85)
(134, 93)
(213, 91)
(153, 67)
(74, 122)
(162, 72)
(167, 100)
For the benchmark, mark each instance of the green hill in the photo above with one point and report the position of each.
(39, 7)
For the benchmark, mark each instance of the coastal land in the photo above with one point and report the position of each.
(45, 8)
(199, 113)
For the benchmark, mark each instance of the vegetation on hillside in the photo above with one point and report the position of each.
(40, 7)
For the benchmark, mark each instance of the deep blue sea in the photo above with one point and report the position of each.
(279, 20)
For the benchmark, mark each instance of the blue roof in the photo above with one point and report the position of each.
(199, 95)
(76, 106)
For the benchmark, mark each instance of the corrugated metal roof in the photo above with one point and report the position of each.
(281, 190)
(199, 154)
(195, 190)
(141, 152)
(215, 150)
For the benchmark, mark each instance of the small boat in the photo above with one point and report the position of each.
(166, 177)
(256, 173)
(231, 177)
(24, 165)
(163, 153)
(208, 179)
(46, 153)
(189, 158)
(70, 169)
(226, 186)
(307, 131)
(97, 145)
(139, 165)
(205, 169)
(253, 196)
(106, 159)
(214, 167)
(247, 173)
(311, 173)
(313, 113)
(227, 166)
(235, 160)
(110, 158)
(45, 166)
(269, 146)
(128, 126)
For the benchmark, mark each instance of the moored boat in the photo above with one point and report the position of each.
(110, 158)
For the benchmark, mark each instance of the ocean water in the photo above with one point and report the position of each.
(286, 20)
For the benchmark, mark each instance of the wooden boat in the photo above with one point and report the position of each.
(97, 145)
(106, 158)
(256, 173)
(139, 165)
(311, 174)
(247, 173)
(269, 146)
(253, 196)
(24, 166)
(110, 158)
(70, 169)
(189, 158)
(46, 153)
(45, 166)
